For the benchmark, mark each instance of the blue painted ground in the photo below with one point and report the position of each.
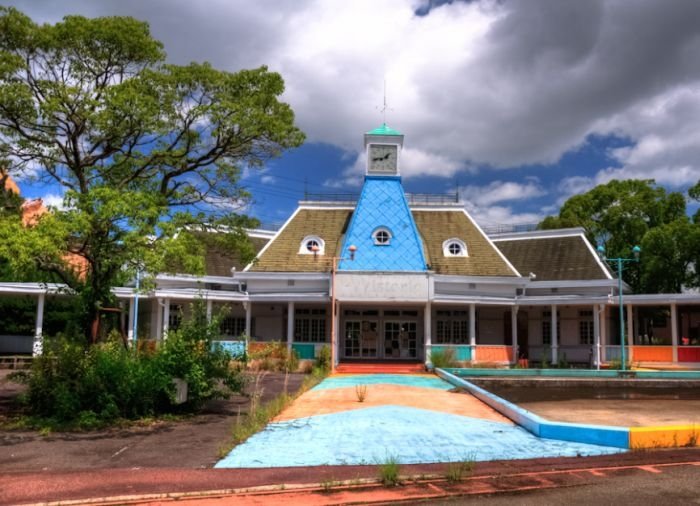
(370, 436)
(406, 380)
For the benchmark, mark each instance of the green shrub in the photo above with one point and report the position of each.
(389, 471)
(323, 361)
(457, 471)
(443, 358)
(291, 362)
(73, 386)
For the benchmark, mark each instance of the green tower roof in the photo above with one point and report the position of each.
(384, 130)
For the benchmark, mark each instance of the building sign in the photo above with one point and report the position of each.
(382, 287)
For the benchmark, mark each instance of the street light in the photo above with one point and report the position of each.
(334, 267)
(620, 264)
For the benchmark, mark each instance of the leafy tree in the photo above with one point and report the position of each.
(622, 214)
(145, 151)
(694, 193)
(671, 257)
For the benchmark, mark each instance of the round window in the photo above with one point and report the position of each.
(455, 248)
(312, 244)
(382, 236)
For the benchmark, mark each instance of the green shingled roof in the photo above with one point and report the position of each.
(552, 258)
(384, 130)
(435, 227)
(438, 226)
(282, 255)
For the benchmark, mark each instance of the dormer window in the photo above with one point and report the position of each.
(454, 248)
(382, 236)
(312, 245)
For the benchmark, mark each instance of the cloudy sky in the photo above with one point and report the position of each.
(519, 104)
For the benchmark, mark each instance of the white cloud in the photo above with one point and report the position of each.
(666, 131)
(494, 218)
(416, 162)
(53, 200)
(351, 177)
(500, 191)
(574, 185)
(482, 203)
(485, 82)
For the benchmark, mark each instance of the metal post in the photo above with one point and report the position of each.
(38, 345)
(130, 332)
(620, 265)
(623, 358)
(136, 309)
(630, 333)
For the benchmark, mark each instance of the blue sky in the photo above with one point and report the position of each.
(518, 104)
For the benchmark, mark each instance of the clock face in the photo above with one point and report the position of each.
(383, 158)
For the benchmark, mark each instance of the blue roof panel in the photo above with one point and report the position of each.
(383, 203)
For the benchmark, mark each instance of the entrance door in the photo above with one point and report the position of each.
(361, 339)
(400, 340)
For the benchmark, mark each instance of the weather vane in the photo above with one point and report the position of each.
(385, 107)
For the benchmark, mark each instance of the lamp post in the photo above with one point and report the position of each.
(620, 265)
(334, 268)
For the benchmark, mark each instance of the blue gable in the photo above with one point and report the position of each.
(382, 203)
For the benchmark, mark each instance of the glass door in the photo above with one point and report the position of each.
(400, 340)
(361, 339)
(369, 339)
(351, 344)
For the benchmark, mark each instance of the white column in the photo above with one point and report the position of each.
(248, 306)
(630, 333)
(335, 321)
(38, 345)
(210, 307)
(159, 319)
(597, 311)
(472, 330)
(514, 331)
(290, 325)
(427, 330)
(132, 315)
(674, 331)
(555, 337)
(166, 318)
(603, 331)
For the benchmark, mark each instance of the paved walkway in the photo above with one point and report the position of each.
(412, 419)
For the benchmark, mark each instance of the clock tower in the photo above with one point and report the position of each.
(383, 146)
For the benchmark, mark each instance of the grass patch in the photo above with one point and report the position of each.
(457, 471)
(261, 414)
(328, 485)
(389, 471)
